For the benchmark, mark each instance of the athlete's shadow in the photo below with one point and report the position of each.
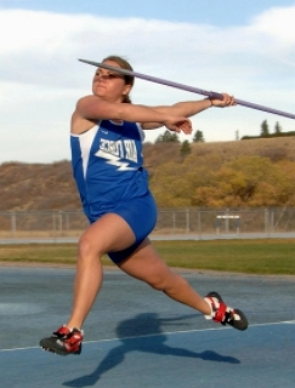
(143, 333)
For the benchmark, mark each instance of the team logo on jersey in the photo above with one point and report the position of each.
(115, 151)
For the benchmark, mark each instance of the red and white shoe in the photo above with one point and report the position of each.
(224, 314)
(64, 341)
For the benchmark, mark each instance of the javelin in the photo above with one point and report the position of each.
(211, 95)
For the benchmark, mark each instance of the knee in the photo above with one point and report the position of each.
(168, 282)
(87, 250)
(158, 283)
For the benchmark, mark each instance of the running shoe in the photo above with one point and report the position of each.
(224, 314)
(64, 341)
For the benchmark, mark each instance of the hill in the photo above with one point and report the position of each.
(37, 187)
(51, 186)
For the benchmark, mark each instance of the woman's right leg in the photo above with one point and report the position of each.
(109, 233)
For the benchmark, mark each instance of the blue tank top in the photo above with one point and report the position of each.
(107, 165)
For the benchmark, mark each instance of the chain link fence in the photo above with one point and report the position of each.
(188, 223)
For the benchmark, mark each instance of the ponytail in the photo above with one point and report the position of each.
(127, 99)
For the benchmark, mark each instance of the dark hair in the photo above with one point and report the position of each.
(129, 79)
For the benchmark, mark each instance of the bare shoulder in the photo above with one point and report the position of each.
(93, 108)
(85, 101)
(79, 123)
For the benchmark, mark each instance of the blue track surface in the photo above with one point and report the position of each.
(137, 337)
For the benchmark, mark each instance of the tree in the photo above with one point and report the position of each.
(168, 137)
(264, 129)
(198, 138)
(185, 148)
(278, 128)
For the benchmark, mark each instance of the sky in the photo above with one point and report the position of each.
(244, 48)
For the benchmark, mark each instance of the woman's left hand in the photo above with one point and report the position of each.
(226, 101)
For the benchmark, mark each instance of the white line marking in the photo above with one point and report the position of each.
(292, 322)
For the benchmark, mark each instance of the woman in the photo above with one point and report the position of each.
(106, 143)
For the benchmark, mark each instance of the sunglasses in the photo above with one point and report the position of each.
(109, 76)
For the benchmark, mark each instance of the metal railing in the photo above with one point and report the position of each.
(183, 223)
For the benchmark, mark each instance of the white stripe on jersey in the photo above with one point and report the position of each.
(86, 140)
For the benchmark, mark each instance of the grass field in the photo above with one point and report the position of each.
(245, 256)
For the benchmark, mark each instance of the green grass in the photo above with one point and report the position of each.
(245, 256)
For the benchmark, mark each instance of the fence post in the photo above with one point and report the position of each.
(187, 221)
(217, 224)
(67, 223)
(199, 225)
(53, 225)
(226, 222)
(238, 223)
(266, 221)
(60, 222)
(272, 216)
(174, 220)
(13, 224)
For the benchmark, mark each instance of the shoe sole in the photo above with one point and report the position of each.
(50, 346)
(241, 324)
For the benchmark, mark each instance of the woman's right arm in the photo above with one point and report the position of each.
(92, 109)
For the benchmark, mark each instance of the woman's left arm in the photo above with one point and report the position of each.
(190, 108)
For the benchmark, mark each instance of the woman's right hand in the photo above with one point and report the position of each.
(178, 124)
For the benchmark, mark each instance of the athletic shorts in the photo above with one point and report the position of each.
(141, 215)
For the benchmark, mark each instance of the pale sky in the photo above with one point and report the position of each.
(247, 50)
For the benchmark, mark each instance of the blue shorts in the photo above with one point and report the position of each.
(141, 215)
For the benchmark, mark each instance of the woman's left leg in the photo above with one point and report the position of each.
(146, 265)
